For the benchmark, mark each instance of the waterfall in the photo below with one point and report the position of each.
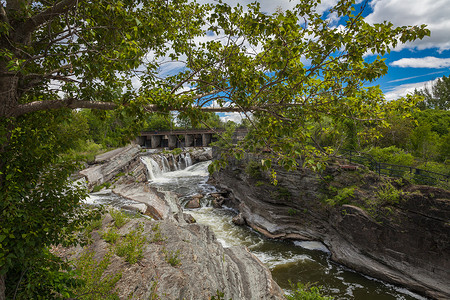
(174, 162)
(165, 164)
(181, 161)
(188, 160)
(158, 164)
(152, 167)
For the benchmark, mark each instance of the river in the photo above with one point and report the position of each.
(306, 262)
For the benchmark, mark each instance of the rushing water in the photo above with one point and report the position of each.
(306, 262)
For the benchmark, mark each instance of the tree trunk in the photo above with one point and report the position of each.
(8, 94)
(2, 287)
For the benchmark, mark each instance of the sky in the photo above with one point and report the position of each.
(411, 66)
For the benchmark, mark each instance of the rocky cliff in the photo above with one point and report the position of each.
(185, 261)
(385, 228)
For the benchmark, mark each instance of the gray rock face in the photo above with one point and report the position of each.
(110, 164)
(205, 267)
(405, 242)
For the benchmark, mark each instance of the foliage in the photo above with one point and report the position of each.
(343, 196)
(132, 246)
(172, 257)
(46, 275)
(36, 190)
(391, 155)
(159, 121)
(253, 169)
(306, 292)
(157, 235)
(389, 194)
(111, 235)
(438, 97)
(120, 218)
(95, 284)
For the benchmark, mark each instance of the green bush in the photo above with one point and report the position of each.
(119, 217)
(389, 194)
(253, 169)
(95, 285)
(392, 155)
(342, 197)
(172, 257)
(132, 246)
(306, 292)
(111, 235)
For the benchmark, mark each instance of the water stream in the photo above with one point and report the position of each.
(288, 261)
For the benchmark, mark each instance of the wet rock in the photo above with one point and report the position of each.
(239, 220)
(194, 203)
(186, 218)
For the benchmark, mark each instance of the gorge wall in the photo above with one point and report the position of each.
(388, 229)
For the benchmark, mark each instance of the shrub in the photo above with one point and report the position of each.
(111, 235)
(343, 196)
(389, 194)
(392, 155)
(157, 236)
(172, 257)
(119, 217)
(132, 246)
(95, 284)
(306, 292)
(253, 169)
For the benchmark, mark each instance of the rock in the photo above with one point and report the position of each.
(186, 217)
(112, 163)
(138, 207)
(156, 203)
(204, 267)
(406, 243)
(238, 220)
(194, 203)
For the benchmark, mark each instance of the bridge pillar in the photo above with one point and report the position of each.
(206, 139)
(156, 141)
(172, 141)
(140, 140)
(188, 140)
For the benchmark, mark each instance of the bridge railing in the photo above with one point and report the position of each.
(417, 175)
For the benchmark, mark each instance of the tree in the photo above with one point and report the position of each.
(439, 95)
(286, 69)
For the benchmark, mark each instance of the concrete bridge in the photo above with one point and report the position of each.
(183, 138)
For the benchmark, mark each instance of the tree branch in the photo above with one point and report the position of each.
(73, 103)
(34, 22)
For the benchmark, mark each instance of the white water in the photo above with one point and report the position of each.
(304, 261)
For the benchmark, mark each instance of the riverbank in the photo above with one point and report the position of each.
(387, 229)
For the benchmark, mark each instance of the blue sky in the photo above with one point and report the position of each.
(411, 66)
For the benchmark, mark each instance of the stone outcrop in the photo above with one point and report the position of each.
(403, 240)
(205, 268)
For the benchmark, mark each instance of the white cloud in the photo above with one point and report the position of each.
(429, 62)
(409, 88)
(434, 13)
(232, 116)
